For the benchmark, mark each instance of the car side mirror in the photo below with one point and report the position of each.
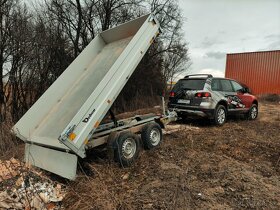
(245, 90)
(242, 90)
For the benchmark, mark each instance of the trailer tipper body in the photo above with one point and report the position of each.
(65, 121)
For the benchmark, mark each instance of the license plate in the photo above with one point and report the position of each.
(184, 101)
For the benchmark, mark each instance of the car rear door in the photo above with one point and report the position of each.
(235, 104)
(245, 98)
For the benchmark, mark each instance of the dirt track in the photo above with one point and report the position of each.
(198, 167)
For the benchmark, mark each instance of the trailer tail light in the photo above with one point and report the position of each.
(171, 94)
(203, 95)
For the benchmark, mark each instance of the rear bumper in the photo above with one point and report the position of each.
(192, 111)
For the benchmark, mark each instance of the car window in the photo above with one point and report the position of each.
(236, 86)
(247, 89)
(215, 85)
(189, 84)
(226, 85)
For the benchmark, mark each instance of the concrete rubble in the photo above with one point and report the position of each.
(21, 187)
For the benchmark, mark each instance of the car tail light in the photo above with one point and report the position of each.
(171, 94)
(199, 95)
(207, 94)
(203, 95)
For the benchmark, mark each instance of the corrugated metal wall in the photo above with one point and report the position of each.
(259, 70)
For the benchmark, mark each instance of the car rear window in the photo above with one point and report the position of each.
(189, 84)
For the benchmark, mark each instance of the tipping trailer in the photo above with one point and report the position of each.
(65, 121)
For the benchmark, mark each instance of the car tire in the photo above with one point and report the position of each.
(151, 135)
(220, 115)
(253, 112)
(127, 148)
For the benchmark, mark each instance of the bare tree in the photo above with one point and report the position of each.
(113, 12)
(6, 21)
(173, 47)
(36, 46)
(36, 54)
(69, 14)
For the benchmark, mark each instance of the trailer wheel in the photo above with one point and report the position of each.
(151, 135)
(127, 148)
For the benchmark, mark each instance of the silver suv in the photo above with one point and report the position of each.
(215, 98)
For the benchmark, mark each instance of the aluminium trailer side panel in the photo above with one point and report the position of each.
(59, 162)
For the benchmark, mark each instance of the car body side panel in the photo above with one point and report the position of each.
(247, 99)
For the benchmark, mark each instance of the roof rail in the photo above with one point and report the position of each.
(199, 75)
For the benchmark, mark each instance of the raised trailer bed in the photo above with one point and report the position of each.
(65, 121)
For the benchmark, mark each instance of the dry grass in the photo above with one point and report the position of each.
(199, 167)
(95, 192)
(269, 98)
(9, 145)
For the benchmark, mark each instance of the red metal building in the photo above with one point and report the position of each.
(259, 70)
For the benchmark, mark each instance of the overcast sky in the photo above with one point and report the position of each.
(216, 27)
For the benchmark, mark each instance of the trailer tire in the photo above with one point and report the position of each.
(127, 148)
(151, 135)
(111, 145)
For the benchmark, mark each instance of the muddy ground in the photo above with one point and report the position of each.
(200, 166)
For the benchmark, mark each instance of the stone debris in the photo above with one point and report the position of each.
(22, 187)
(7, 202)
(9, 169)
(125, 176)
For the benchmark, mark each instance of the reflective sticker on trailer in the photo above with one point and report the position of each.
(72, 136)
(96, 124)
